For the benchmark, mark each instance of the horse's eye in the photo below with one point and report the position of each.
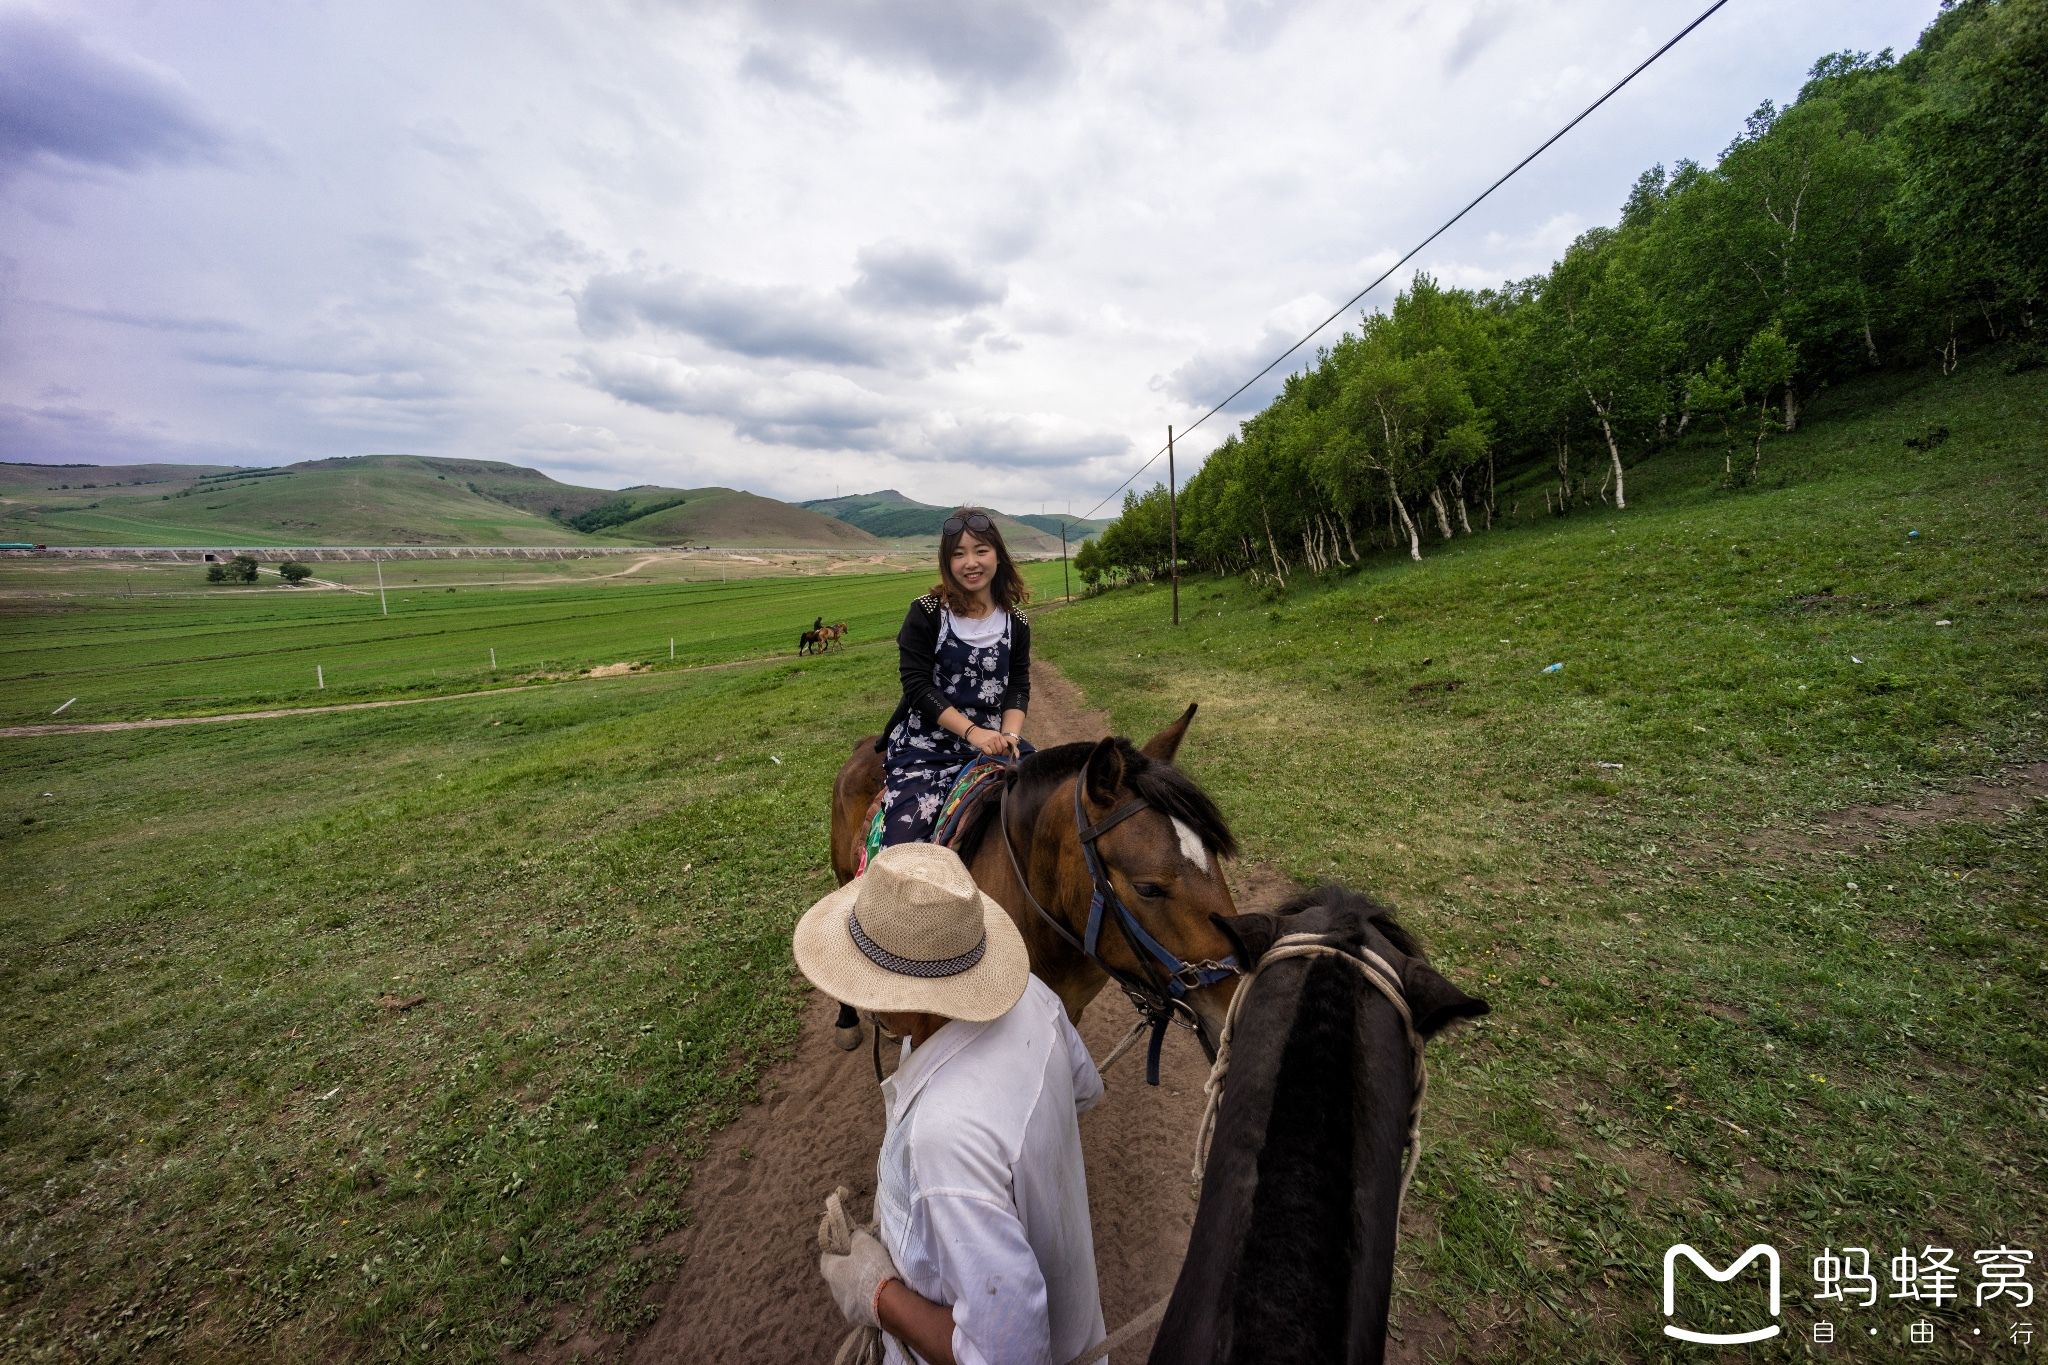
(1150, 890)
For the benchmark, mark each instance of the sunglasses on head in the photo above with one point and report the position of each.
(973, 521)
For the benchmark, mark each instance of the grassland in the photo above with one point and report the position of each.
(1771, 978)
(1758, 973)
(218, 1142)
(125, 657)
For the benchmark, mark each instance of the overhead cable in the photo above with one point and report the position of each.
(1448, 224)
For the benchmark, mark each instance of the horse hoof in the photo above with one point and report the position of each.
(847, 1036)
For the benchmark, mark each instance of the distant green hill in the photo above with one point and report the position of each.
(892, 516)
(387, 500)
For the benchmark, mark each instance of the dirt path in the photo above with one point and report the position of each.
(158, 723)
(748, 1288)
(601, 672)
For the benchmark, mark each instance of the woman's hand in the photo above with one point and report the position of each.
(989, 743)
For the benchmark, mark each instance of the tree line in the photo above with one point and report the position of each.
(1895, 214)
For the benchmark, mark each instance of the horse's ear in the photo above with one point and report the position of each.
(1164, 745)
(1250, 935)
(1104, 774)
(1434, 1001)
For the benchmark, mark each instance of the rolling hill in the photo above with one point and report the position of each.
(388, 500)
(892, 516)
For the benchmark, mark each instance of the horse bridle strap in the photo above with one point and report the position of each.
(1380, 974)
(1160, 1005)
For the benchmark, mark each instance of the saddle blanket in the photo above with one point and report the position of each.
(981, 775)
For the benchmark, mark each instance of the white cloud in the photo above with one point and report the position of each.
(977, 246)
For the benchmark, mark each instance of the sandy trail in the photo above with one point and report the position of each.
(748, 1287)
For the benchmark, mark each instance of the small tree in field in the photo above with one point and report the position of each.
(242, 569)
(293, 572)
(1768, 365)
(1713, 395)
(216, 573)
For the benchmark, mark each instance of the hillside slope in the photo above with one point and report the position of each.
(387, 500)
(1731, 804)
(731, 516)
(893, 516)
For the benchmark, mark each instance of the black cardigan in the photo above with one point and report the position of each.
(917, 644)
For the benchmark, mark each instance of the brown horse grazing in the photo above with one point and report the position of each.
(1291, 1258)
(1156, 839)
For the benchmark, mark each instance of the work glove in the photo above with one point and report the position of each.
(857, 1276)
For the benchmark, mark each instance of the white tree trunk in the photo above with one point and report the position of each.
(1407, 522)
(1614, 453)
(1279, 572)
(1443, 515)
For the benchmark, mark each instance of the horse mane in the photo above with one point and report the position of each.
(1160, 785)
(1369, 912)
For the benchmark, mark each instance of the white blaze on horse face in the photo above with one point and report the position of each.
(1191, 844)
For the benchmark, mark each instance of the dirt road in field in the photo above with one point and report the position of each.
(748, 1289)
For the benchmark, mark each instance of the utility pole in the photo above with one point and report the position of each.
(381, 602)
(1066, 582)
(1173, 524)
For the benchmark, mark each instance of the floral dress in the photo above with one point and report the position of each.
(923, 759)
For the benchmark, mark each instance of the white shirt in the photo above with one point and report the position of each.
(980, 1192)
(978, 631)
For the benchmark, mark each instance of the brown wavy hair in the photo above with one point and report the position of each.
(1007, 587)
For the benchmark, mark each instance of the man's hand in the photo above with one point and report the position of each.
(857, 1277)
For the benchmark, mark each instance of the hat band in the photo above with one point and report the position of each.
(911, 966)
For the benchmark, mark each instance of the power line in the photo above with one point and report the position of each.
(1449, 223)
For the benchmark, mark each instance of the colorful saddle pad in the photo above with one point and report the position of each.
(977, 779)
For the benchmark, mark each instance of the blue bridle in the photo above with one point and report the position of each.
(1160, 995)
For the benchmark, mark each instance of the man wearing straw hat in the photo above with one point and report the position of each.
(985, 1253)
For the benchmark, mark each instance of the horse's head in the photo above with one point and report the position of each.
(1347, 919)
(1164, 862)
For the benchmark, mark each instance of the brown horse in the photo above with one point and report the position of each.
(1291, 1259)
(1156, 839)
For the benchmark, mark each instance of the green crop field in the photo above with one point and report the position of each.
(1767, 956)
(124, 657)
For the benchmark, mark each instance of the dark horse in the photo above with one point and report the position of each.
(1162, 860)
(809, 641)
(1291, 1258)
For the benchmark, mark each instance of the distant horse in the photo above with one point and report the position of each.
(809, 642)
(1291, 1258)
(831, 635)
(1109, 860)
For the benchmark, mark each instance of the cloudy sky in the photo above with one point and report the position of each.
(964, 248)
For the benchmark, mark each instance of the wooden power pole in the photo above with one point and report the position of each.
(1066, 583)
(1173, 524)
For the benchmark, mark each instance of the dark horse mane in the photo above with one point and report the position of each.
(1159, 785)
(1369, 911)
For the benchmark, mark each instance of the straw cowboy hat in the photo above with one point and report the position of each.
(914, 933)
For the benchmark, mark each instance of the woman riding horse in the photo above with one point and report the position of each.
(964, 655)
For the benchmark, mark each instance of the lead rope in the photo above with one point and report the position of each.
(1386, 981)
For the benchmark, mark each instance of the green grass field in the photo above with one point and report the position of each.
(125, 657)
(1724, 1011)
(215, 1141)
